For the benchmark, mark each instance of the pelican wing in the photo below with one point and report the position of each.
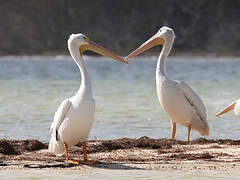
(194, 100)
(60, 114)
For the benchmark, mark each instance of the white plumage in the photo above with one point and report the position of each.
(181, 103)
(72, 122)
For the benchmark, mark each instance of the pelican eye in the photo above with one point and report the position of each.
(85, 38)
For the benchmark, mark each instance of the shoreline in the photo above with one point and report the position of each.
(127, 154)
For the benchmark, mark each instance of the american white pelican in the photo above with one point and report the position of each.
(235, 105)
(74, 118)
(181, 103)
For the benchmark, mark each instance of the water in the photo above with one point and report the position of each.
(31, 89)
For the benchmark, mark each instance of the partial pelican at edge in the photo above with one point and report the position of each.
(235, 105)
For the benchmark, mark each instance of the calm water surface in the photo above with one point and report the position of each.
(31, 89)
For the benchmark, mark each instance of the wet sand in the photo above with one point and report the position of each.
(137, 154)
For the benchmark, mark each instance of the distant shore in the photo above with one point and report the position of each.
(181, 55)
(121, 26)
(143, 153)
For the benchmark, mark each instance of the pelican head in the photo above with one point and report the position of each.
(164, 35)
(84, 44)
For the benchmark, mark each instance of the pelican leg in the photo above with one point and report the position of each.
(173, 130)
(189, 131)
(67, 157)
(85, 160)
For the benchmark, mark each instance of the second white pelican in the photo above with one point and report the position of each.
(235, 105)
(181, 103)
(74, 117)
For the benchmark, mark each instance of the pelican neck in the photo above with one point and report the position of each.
(85, 87)
(162, 59)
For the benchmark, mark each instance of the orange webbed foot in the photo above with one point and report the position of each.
(72, 162)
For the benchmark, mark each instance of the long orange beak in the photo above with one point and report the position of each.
(153, 41)
(228, 108)
(92, 46)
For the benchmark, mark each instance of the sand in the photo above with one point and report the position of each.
(143, 153)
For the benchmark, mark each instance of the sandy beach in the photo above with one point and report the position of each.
(143, 154)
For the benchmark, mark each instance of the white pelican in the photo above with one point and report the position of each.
(74, 118)
(235, 105)
(181, 103)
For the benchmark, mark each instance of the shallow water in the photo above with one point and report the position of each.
(31, 89)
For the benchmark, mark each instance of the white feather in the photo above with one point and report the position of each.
(56, 145)
(199, 122)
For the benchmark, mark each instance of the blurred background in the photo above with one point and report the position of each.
(43, 27)
(32, 87)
